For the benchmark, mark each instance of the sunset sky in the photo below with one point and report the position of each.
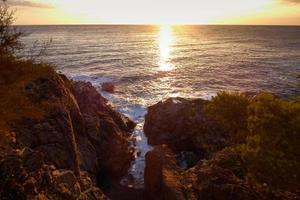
(285, 12)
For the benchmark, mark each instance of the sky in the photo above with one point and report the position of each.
(250, 12)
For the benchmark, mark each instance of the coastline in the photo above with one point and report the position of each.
(78, 123)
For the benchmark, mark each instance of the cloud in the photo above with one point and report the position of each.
(290, 1)
(28, 3)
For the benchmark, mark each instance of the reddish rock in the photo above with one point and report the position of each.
(217, 179)
(220, 177)
(106, 131)
(45, 182)
(79, 129)
(183, 125)
(162, 180)
(108, 87)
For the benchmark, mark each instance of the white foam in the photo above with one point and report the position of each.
(135, 112)
(95, 80)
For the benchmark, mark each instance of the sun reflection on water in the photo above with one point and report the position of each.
(165, 47)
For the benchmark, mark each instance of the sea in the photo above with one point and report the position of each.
(148, 64)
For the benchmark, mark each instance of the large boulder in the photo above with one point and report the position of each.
(162, 180)
(183, 125)
(108, 87)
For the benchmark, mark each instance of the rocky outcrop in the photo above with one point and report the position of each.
(220, 172)
(77, 135)
(78, 130)
(221, 177)
(108, 87)
(105, 131)
(24, 175)
(162, 176)
(183, 125)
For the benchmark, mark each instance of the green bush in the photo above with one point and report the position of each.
(14, 75)
(9, 35)
(272, 149)
(266, 131)
(230, 111)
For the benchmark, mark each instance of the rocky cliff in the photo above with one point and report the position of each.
(66, 150)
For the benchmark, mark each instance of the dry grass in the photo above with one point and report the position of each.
(14, 103)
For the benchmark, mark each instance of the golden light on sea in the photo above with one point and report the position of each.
(165, 47)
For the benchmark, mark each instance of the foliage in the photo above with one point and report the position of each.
(15, 74)
(266, 131)
(230, 111)
(273, 143)
(9, 35)
(14, 101)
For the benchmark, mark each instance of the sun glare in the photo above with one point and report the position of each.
(165, 47)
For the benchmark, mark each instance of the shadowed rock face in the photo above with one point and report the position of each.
(216, 178)
(24, 175)
(78, 131)
(162, 176)
(219, 178)
(183, 126)
(105, 131)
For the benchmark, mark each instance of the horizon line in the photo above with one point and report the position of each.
(154, 24)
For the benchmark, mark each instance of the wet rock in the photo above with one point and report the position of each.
(108, 87)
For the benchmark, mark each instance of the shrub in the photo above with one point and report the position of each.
(14, 101)
(9, 35)
(266, 132)
(272, 149)
(230, 111)
(15, 74)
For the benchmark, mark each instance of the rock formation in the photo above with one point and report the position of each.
(183, 126)
(24, 175)
(162, 176)
(108, 87)
(78, 137)
(179, 125)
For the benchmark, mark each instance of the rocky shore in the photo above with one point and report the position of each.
(77, 144)
(178, 126)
